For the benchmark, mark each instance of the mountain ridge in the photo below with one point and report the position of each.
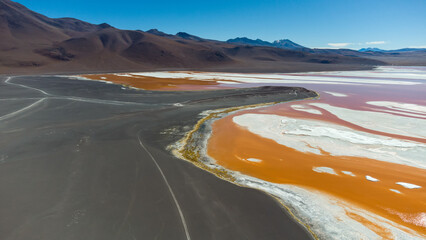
(34, 43)
(282, 43)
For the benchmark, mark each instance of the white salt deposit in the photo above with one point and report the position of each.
(379, 121)
(305, 108)
(394, 190)
(326, 215)
(370, 178)
(407, 114)
(337, 94)
(228, 82)
(408, 107)
(123, 75)
(385, 73)
(315, 78)
(309, 136)
(255, 160)
(348, 173)
(418, 219)
(408, 185)
(324, 170)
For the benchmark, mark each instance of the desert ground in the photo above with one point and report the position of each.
(88, 160)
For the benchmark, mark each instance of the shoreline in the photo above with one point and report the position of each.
(193, 148)
(186, 149)
(95, 128)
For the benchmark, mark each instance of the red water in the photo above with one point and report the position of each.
(231, 145)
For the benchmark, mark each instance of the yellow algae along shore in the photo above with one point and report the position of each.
(349, 165)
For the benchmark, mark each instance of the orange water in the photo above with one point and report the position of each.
(231, 145)
(159, 84)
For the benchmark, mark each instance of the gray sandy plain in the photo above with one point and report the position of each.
(88, 160)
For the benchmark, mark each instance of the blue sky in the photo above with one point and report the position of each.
(387, 24)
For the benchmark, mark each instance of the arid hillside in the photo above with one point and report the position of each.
(33, 43)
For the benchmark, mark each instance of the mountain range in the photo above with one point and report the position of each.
(391, 51)
(34, 43)
(283, 43)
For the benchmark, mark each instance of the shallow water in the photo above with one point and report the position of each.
(351, 163)
(356, 143)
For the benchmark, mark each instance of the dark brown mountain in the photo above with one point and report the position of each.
(25, 34)
(33, 43)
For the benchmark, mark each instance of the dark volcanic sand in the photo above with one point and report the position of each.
(72, 167)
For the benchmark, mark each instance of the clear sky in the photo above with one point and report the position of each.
(387, 24)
